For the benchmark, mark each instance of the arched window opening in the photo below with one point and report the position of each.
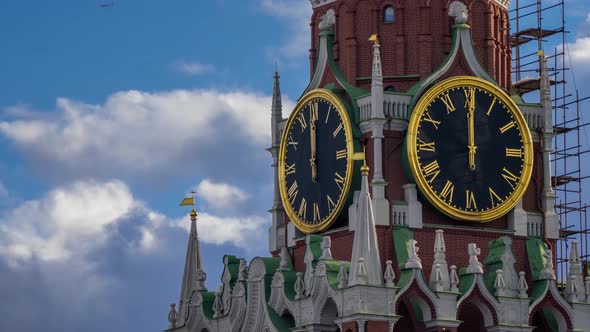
(389, 88)
(472, 319)
(389, 15)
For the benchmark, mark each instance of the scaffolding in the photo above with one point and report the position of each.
(541, 26)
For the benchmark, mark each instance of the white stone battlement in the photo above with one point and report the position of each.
(503, 3)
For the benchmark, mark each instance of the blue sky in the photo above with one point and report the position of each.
(109, 116)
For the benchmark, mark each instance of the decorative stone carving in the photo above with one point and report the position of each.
(458, 10)
(172, 316)
(500, 284)
(342, 276)
(326, 245)
(328, 20)
(454, 279)
(285, 260)
(548, 271)
(218, 304)
(474, 264)
(299, 286)
(522, 286)
(361, 272)
(389, 274)
(440, 260)
(575, 275)
(243, 270)
(438, 279)
(414, 261)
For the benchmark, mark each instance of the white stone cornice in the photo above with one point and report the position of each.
(318, 3)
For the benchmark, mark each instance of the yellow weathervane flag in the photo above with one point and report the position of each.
(188, 201)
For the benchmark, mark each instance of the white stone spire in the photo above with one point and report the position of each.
(548, 202)
(194, 276)
(440, 260)
(276, 231)
(575, 279)
(380, 204)
(365, 244)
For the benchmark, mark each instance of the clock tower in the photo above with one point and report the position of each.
(412, 186)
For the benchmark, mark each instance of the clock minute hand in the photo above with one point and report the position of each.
(471, 134)
(314, 171)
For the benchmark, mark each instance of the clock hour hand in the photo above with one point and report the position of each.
(314, 171)
(471, 133)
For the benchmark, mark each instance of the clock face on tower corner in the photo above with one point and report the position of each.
(315, 164)
(469, 149)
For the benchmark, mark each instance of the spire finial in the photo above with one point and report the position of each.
(374, 39)
(191, 201)
(364, 168)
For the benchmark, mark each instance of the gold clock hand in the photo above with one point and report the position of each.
(312, 131)
(471, 131)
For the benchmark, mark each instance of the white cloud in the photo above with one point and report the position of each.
(68, 221)
(246, 232)
(136, 131)
(296, 14)
(72, 221)
(194, 68)
(220, 195)
(580, 51)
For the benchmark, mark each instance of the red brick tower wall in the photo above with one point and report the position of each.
(416, 43)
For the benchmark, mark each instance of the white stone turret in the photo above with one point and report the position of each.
(365, 244)
(380, 204)
(551, 221)
(193, 278)
(276, 231)
(440, 261)
(574, 289)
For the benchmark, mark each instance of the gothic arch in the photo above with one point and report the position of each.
(481, 307)
(556, 311)
(329, 312)
(473, 319)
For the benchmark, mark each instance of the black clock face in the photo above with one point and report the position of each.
(472, 151)
(315, 172)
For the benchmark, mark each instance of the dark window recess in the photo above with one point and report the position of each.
(389, 88)
(389, 15)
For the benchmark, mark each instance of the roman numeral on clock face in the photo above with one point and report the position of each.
(316, 212)
(469, 97)
(470, 200)
(425, 146)
(290, 169)
(302, 121)
(509, 177)
(429, 119)
(292, 142)
(331, 204)
(292, 192)
(494, 198)
(446, 99)
(491, 106)
(339, 180)
(431, 170)
(341, 154)
(507, 126)
(313, 111)
(302, 208)
(340, 126)
(516, 153)
(447, 191)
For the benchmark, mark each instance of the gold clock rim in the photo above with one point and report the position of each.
(412, 153)
(341, 109)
